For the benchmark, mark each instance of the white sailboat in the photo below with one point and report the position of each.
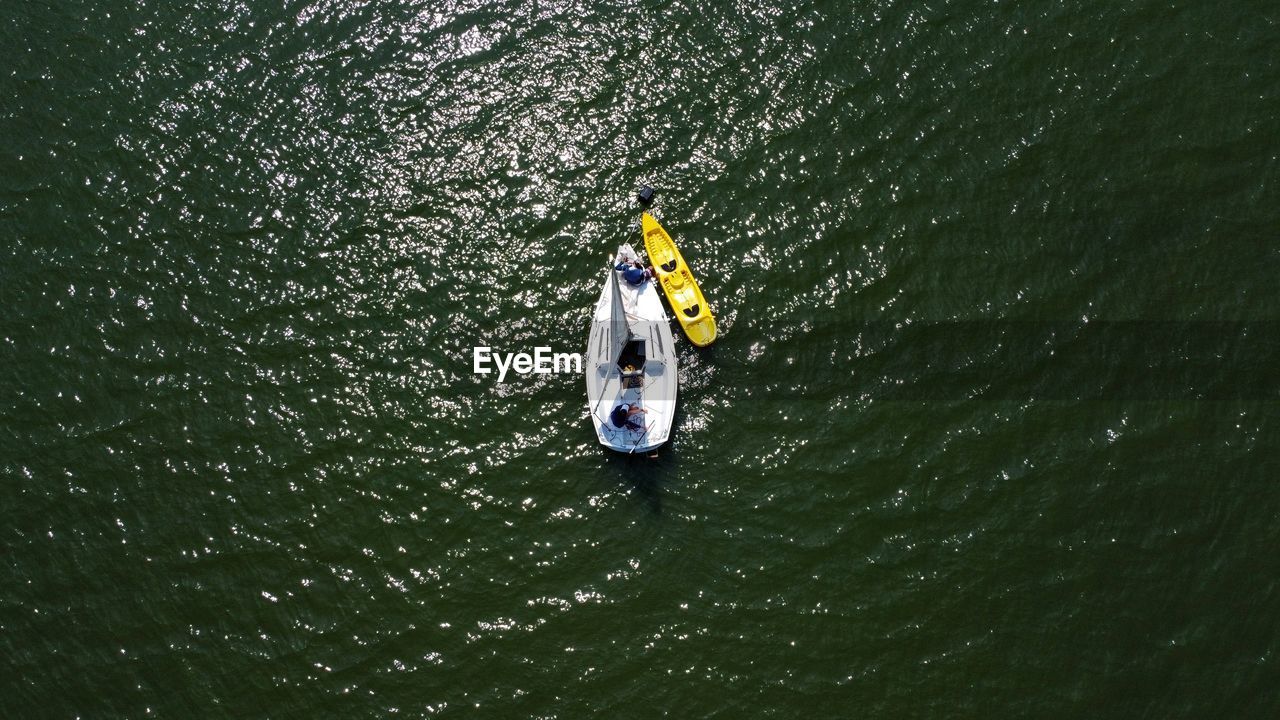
(630, 363)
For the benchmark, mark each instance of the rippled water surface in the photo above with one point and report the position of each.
(990, 429)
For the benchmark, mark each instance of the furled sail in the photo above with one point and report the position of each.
(619, 331)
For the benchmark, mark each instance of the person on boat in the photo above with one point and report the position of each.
(634, 272)
(627, 416)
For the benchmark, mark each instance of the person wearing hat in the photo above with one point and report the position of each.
(625, 414)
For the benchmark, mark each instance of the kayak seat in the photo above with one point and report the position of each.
(692, 311)
(669, 266)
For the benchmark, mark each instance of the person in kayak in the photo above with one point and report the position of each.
(627, 416)
(634, 272)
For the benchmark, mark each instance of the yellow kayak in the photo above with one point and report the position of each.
(677, 282)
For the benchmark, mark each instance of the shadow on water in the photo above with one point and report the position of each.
(644, 475)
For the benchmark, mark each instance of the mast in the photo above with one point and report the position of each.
(619, 328)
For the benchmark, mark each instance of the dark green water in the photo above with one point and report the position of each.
(990, 429)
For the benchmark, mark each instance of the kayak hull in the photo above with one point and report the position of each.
(678, 284)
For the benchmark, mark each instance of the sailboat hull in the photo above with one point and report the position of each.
(654, 389)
